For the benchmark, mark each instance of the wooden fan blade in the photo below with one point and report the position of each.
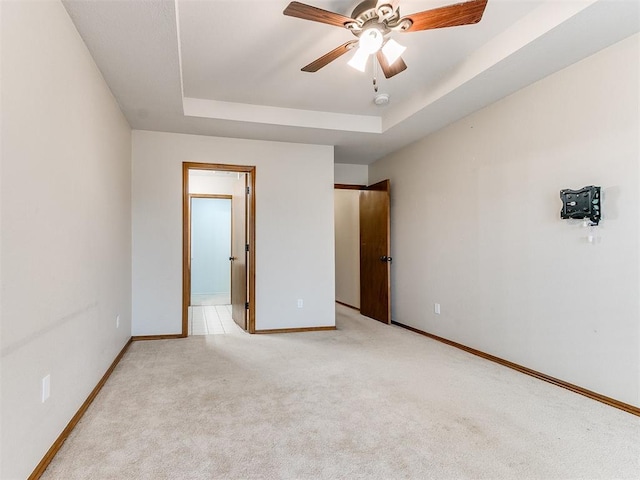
(329, 57)
(450, 16)
(393, 69)
(307, 12)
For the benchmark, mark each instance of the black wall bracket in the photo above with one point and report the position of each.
(583, 203)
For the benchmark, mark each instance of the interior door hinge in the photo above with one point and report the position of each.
(248, 190)
(246, 247)
(246, 306)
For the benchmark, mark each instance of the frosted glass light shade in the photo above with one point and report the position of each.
(359, 59)
(371, 40)
(392, 51)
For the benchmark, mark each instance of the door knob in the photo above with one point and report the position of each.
(384, 258)
(232, 258)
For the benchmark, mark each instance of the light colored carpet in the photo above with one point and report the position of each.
(365, 401)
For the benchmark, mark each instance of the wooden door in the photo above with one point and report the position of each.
(375, 260)
(238, 256)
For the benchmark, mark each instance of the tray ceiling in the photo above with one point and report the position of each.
(232, 68)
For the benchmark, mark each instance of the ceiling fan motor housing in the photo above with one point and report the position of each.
(386, 17)
(364, 11)
(367, 14)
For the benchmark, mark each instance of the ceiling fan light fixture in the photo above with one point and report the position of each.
(392, 51)
(373, 21)
(359, 59)
(371, 40)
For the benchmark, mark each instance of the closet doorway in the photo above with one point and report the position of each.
(363, 248)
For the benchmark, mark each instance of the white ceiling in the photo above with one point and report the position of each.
(232, 68)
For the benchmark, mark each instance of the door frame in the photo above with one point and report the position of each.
(186, 238)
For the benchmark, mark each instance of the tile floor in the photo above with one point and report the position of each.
(210, 314)
(211, 320)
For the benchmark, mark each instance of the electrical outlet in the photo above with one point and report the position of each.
(436, 308)
(46, 388)
(117, 321)
(300, 303)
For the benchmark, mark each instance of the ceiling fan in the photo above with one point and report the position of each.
(373, 21)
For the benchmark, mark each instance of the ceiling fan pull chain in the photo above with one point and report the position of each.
(375, 74)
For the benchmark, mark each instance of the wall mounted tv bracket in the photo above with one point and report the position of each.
(583, 203)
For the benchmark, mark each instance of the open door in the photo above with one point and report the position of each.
(239, 249)
(375, 260)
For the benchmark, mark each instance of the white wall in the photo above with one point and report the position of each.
(476, 227)
(347, 228)
(351, 174)
(294, 228)
(66, 234)
(203, 181)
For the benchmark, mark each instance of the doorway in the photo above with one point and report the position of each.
(363, 251)
(210, 304)
(218, 256)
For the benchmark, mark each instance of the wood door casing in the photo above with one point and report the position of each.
(250, 173)
(375, 272)
(239, 253)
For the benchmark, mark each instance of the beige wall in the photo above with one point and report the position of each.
(66, 229)
(347, 226)
(476, 227)
(203, 182)
(294, 228)
(350, 174)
